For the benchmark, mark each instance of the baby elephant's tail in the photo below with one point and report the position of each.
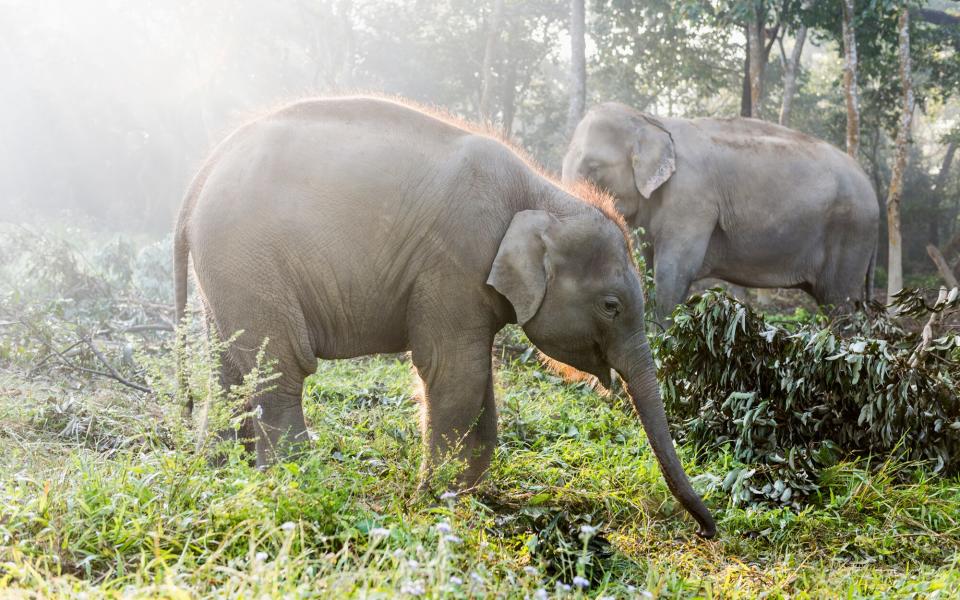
(181, 260)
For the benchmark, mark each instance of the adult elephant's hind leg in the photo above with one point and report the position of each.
(841, 282)
(458, 409)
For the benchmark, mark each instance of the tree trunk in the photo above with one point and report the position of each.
(895, 193)
(874, 159)
(945, 167)
(791, 66)
(850, 66)
(509, 91)
(578, 64)
(755, 37)
(745, 108)
(493, 36)
(344, 10)
(946, 220)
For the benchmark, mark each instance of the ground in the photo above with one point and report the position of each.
(102, 494)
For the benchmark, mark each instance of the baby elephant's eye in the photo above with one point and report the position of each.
(612, 306)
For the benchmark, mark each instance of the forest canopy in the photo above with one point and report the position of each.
(113, 105)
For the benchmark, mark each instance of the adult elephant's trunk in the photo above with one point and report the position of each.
(639, 372)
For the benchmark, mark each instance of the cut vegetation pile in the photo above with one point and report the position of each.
(789, 402)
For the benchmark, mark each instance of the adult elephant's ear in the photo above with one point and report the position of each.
(653, 158)
(520, 269)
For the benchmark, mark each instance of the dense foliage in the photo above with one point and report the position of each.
(789, 402)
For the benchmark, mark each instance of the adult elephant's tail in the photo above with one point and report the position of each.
(868, 284)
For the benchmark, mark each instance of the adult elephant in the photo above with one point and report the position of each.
(741, 200)
(337, 228)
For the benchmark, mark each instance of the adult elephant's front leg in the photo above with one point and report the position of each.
(677, 262)
(458, 410)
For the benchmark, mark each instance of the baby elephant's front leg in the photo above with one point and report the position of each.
(458, 410)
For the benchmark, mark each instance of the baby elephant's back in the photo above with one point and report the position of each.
(319, 170)
(322, 205)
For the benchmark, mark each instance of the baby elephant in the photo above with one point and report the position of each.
(343, 227)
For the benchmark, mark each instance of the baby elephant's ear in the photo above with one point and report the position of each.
(520, 269)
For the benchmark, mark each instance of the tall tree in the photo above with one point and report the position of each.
(755, 57)
(489, 51)
(791, 67)
(850, 66)
(895, 193)
(745, 104)
(760, 40)
(578, 64)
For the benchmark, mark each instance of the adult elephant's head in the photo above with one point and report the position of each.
(623, 151)
(578, 297)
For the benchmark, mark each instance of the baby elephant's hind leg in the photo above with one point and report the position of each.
(231, 376)
(276, 424)
(279, 424)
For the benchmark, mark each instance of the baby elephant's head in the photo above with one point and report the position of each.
(578, 296)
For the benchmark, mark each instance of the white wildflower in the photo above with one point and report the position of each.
(452, 539)
(456, 580)
(540, 594)
(261, 556)
(443, 527)
(588, 529)
(530, 570)
(448, 495)
(413, 588)
(288, 526)
(581, 582)
(379, 532)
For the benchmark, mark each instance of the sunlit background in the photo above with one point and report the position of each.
(107, 107)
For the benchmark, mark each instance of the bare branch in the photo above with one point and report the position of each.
(942, 266)
(65, 361)
(113, 373)
(937, 17)
(932, 325)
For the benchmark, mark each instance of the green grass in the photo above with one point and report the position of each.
(101, 494)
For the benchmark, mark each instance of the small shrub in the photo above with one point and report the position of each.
(789, 403)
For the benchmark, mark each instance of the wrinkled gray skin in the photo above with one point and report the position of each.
(344, 227)
(741, 200)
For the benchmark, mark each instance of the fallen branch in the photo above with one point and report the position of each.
(66, 362)
(930, 329)
(50, 355)
(113, 374)
(945, 271)
(148, 328)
